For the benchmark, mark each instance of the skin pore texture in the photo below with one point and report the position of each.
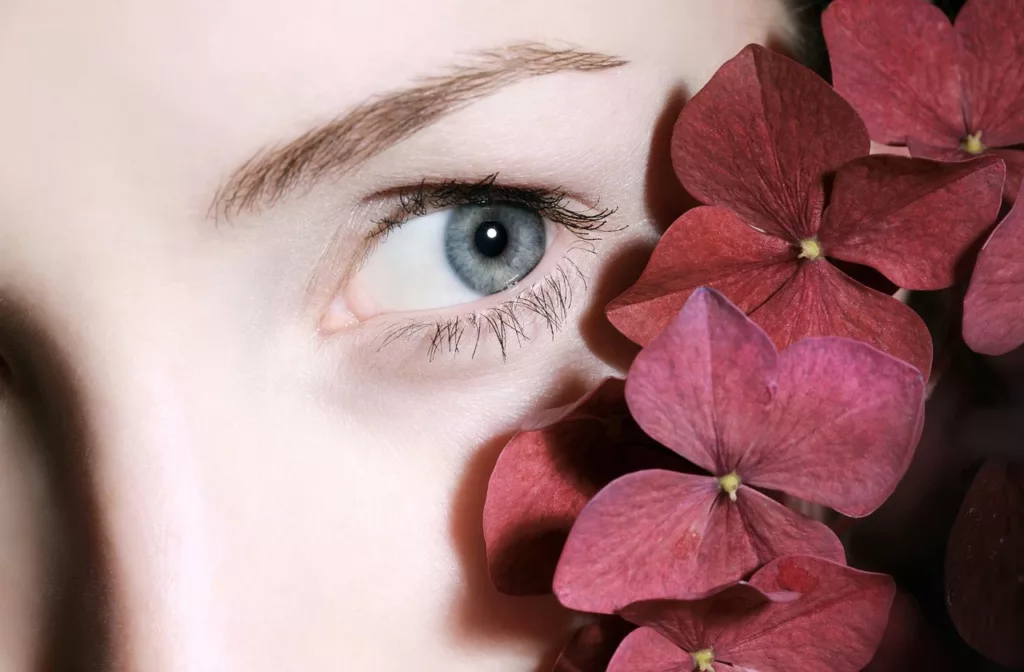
(209, 459)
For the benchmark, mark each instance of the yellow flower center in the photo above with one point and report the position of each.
(729, 484)
(810, 249)
(703, 659)
(972, 144)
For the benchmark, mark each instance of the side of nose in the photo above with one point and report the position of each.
(145, 423)
(151, 393)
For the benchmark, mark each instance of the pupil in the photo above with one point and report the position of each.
(491, 239)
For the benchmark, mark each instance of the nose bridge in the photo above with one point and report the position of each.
(147, 411)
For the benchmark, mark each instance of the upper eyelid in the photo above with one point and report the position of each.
(552, 203)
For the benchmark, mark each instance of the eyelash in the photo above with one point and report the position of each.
(552, 204)
(550, 300)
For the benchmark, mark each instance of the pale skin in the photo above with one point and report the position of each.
(209, 459)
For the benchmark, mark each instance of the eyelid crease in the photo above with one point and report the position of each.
(550, 300)
(552, 204)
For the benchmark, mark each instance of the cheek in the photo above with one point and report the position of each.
(364, 529)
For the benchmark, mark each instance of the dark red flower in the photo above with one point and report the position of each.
(798, 614)
(593, 645)
(994, 306)
(548, 472)
(760, 144)
(985, 564)
(909, 642)
(945, 91)
(828, 420)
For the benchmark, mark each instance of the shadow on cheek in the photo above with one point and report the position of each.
(76, 636)
(618, 273)
(665, 199)
(481, 614)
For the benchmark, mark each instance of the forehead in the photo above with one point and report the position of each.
(190, 55)
(169, 95)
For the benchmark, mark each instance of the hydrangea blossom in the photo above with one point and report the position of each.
(779, 157)
(829, 420)
(797, 614)
(944, 90)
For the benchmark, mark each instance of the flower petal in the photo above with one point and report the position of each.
(985, 564)
(701, 386)
(844, 424)
(709, 247)
(992, 69)
(658, 534)
(994, 305)
(771, 531)
(592, 646)
(543, 478)
(1014, 159)
(646, 651)
(896, 62)
(700, 624)
(844, 607)
(609, 559)
(760, 136)
(833, 618)
(911, 219)
(821, 300)
(923, 150)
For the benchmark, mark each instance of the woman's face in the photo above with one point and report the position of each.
(277, 281)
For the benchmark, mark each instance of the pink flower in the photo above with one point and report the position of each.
(829, 420)
(778, 156)
(946, 91)
(994, 306)
(798, 614)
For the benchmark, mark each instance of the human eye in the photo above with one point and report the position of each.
(458, 262)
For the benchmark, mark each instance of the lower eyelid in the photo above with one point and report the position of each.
(355, 301)
(541, 308)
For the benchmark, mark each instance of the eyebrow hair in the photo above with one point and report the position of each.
(372, 127)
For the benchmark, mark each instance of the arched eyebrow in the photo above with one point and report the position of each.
(370, 128)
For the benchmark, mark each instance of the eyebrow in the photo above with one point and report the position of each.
(338, 146)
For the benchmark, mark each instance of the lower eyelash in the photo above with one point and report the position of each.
(549, 300)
